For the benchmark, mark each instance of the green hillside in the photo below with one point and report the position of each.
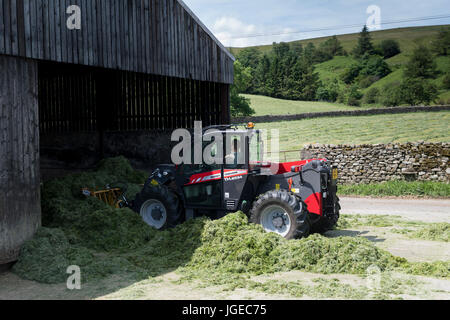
(407, 37)
(408, 40)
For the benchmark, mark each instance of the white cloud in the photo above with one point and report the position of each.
(233, 32)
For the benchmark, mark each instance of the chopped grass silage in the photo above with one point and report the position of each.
(46, 257)
(233, 245)
(105, 241)
(412, 229)
(431, 232)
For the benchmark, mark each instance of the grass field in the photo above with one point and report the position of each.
(272, 106)
(410, 127)
(398, 188)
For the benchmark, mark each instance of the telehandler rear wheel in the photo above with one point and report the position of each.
(327, 222)
(158, 207)
(281, 212)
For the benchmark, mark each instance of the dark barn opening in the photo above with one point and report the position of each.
(88, 113)
(117, 84)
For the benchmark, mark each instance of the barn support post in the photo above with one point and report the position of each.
(105, 85)
(20, 213)
(225, 103)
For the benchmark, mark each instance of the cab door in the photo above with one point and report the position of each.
(201, 185)
(235, 172)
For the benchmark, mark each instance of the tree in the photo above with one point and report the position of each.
(333, 47)
(354, 96)
(240, 106)
(421, 64)
(303, 82)
(242, 77)
(262, 74)
(329, 91)
(374, 66)
(280, 49)
(351, 73)
(297, 48)
(441, 46)
(364, 45)
(391, 96)
(372, 95)
(446, 81)
(418, 91)
(309, 53)
(249, 57)
(389, 48)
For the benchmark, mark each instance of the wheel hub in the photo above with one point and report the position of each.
(157, 213)
(274, 218)
(154, 213)
(278, 222)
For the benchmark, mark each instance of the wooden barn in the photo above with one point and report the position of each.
(87, 78)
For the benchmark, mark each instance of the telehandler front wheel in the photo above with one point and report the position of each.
(158, 207)
(281, 212)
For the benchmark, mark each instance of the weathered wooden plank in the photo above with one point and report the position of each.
(99, 35)
(106, 41)
(127, 40)
(50, 20)
(60, 28)
(2, 30)
(141, 36)
(28, 45)
(112, 30)
(118, 17)
(159, 41)
(19, 156)
(93, 34)
(33, 30)
(176, 39)
(147, 36)
(83, 33)
(39, 29)
(135, 37)
(7, 24)
(151, 28)
(14, 31)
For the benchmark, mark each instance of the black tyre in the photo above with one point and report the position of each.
(158, 207)
(281, 212)
(329, 221)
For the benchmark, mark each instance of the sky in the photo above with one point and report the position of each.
(241, 23)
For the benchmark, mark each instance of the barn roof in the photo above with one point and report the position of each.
(161, 37)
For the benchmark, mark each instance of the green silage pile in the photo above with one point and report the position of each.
(45, 258)
(233, 245)
(104, 241)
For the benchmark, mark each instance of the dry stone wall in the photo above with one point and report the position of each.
(383, 162)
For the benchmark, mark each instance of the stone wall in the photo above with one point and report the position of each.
(377, 163)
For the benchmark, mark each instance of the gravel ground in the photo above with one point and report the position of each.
(427, 210)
